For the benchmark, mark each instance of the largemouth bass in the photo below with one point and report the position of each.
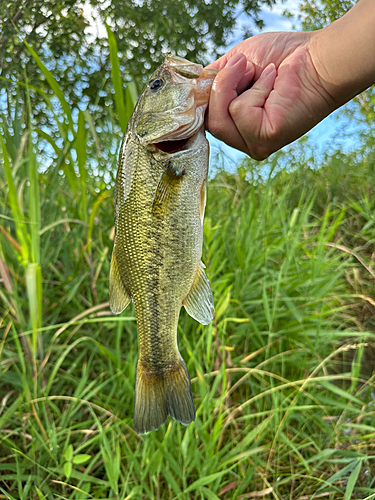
(160, 197)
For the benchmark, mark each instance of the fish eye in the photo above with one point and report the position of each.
(156, 84)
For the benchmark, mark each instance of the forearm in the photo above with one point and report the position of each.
(343, 53)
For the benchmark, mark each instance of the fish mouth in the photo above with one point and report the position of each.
(172, 147)
(179, 146)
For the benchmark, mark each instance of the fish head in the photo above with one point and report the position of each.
(172, 106)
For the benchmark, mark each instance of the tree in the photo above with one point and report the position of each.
(146, 30)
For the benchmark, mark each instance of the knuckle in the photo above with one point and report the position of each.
(259, 153)
(235, 107)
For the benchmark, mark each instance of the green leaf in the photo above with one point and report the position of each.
(13, 202)
(94, 210)
(68, 469)
(68, 454)
(340, 392)
(222, 306)
(53, 84)
(49, 139)
(80, 145)
(210, 495)
(34, 206)
(111, 461)
(130, 99)
(131, 90)
(7, 495)
(341, 473)
(39, 493)
(81, 459)
(171, 480)
(34, 292)
(61, 221)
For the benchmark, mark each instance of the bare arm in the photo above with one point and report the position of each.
(344, 52)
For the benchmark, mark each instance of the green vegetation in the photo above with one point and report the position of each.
(282, 379)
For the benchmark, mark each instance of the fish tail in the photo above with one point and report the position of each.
(162, 393)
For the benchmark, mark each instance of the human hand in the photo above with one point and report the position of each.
(286, 98)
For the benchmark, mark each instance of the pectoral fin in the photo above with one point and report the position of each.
(119, 297)
(167, 188)
(202, 201)
(199, 303)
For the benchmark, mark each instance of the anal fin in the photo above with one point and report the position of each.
(119, 297)
(199, 303)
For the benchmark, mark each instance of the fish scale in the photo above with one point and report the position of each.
(156, 261)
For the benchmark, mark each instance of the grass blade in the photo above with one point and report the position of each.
(116, 79)
(352, 480)
(54, 86)
(16, 211)
(34, 292)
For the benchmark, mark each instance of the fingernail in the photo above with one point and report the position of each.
(268, 69)
(234, 60)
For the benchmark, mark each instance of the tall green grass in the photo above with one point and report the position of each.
(283, 378)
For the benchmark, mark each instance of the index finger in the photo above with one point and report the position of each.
(224, 90)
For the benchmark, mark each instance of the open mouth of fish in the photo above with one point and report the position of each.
(173, 146)
(190, 120)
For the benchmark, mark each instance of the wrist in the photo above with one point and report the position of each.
(343, 55)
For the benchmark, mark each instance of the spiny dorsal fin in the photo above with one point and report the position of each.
(199, 303)
(119, 297)
(168, 187)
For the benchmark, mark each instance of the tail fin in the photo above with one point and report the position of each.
(160, 394)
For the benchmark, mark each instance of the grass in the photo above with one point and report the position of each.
(283, 379)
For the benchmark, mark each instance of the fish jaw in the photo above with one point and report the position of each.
(180, 147)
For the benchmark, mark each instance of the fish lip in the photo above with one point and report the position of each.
(178, 67)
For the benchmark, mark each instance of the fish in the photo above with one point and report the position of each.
(159, 203)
